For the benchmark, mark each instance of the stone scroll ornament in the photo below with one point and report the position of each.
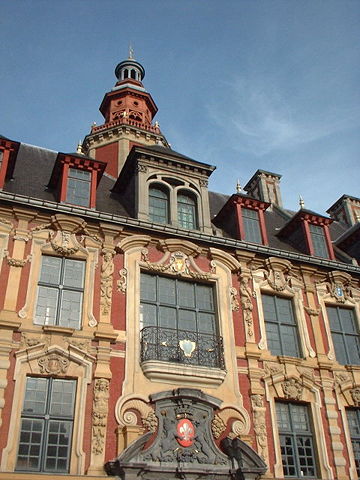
(99, 415)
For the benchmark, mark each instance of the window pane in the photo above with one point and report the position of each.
(158, 206)
(74, 273)
(166, 292)
(78, 187)
(148, 287)
(46, 307)
(35, 396)
(353, 348)
(206, 323)
(167, 317)
(344, 334)
(70, 314)
(353, 417)
(319, 241)
(339, 346)
(251, 225)
(186, 294)
(186, 212)
(62, 398)
(31, 436)
(50, 270)
(148, 316)
(205, 297)
(58, 446)
(187, 320)
(280, 324)
(347, 320)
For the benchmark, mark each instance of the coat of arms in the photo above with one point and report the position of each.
(185, 432)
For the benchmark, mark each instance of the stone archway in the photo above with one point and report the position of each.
(183, 446)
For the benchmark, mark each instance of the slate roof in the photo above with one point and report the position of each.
(33, 170)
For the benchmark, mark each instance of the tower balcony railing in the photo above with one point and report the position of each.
(182, 346)
(126, 122)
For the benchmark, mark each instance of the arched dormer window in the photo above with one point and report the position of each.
(158, 204)
(186, 208)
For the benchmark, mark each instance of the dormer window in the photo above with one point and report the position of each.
(158, 205)
(318, 241)
(186, 207)
(309, 232)
(79, 176)
(251, 225)
(243, 217)
(78, 187)
(8, 154)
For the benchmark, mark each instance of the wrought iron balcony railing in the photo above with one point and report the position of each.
(182, 346)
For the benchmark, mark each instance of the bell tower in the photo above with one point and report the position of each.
(128, 110)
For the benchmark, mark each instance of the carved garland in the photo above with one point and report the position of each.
(122, 283)
(260, 424)
(178, 263)
(106, 275)
(99, 415)
(246, 303)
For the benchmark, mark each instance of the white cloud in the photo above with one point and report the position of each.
(262, 120)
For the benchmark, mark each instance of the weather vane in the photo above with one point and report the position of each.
(131, 52)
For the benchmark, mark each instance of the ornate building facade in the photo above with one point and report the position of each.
(152, 328)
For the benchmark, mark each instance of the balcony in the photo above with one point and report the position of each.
(182, 347)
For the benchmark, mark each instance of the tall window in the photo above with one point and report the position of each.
(60, 292)
(353, 417)
(186, 206)
(281, 328)
(178, 321)
(319, 241)
(296, 440)
(345, 335)
(158, 205)
(78, 187)
(46, 425)
(251, 225)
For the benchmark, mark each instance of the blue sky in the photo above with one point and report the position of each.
(240, 84)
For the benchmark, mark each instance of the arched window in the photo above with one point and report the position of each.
(158, 205)
(133, 74)
(186, 208)
(126, 73)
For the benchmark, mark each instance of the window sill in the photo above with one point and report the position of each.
(185, 374)
(57, 329)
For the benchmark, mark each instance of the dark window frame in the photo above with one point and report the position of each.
(344, 351)
(40, 444)
(251, 225)
(282, 326)
(354, 429)
(319, 241)
(61, 291)
(297, 445)
(74, 182)
(165, 324)
(165, 201)
(187, 210)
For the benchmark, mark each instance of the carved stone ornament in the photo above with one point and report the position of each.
(246, 304)
(235, 307)
(5, 221)
(14, 262)
(260, 425)
(203, 183)
(28, 341)
(277, 274)
(312, 311)
(81, 344)
(342, 377)
(273, 369)
(217, 426)
(178, 263)
(64, 243)
(184, 440)
(339, 286)
(106, 275)
(122, 283)
(355, 393)
(53, 364)
(293, 389)
(99, 415)
(141, 168)
(150, 422)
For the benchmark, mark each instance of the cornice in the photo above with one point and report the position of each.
(151, 228)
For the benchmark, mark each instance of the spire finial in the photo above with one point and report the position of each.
(238, 187)
(301, 202)
(131, 52)
(79, 148)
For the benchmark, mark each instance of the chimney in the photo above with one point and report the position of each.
(346, 210)
(265, 186)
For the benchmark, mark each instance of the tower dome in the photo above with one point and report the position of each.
(129, 68)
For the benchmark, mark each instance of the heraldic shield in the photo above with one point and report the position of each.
(183, 445)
